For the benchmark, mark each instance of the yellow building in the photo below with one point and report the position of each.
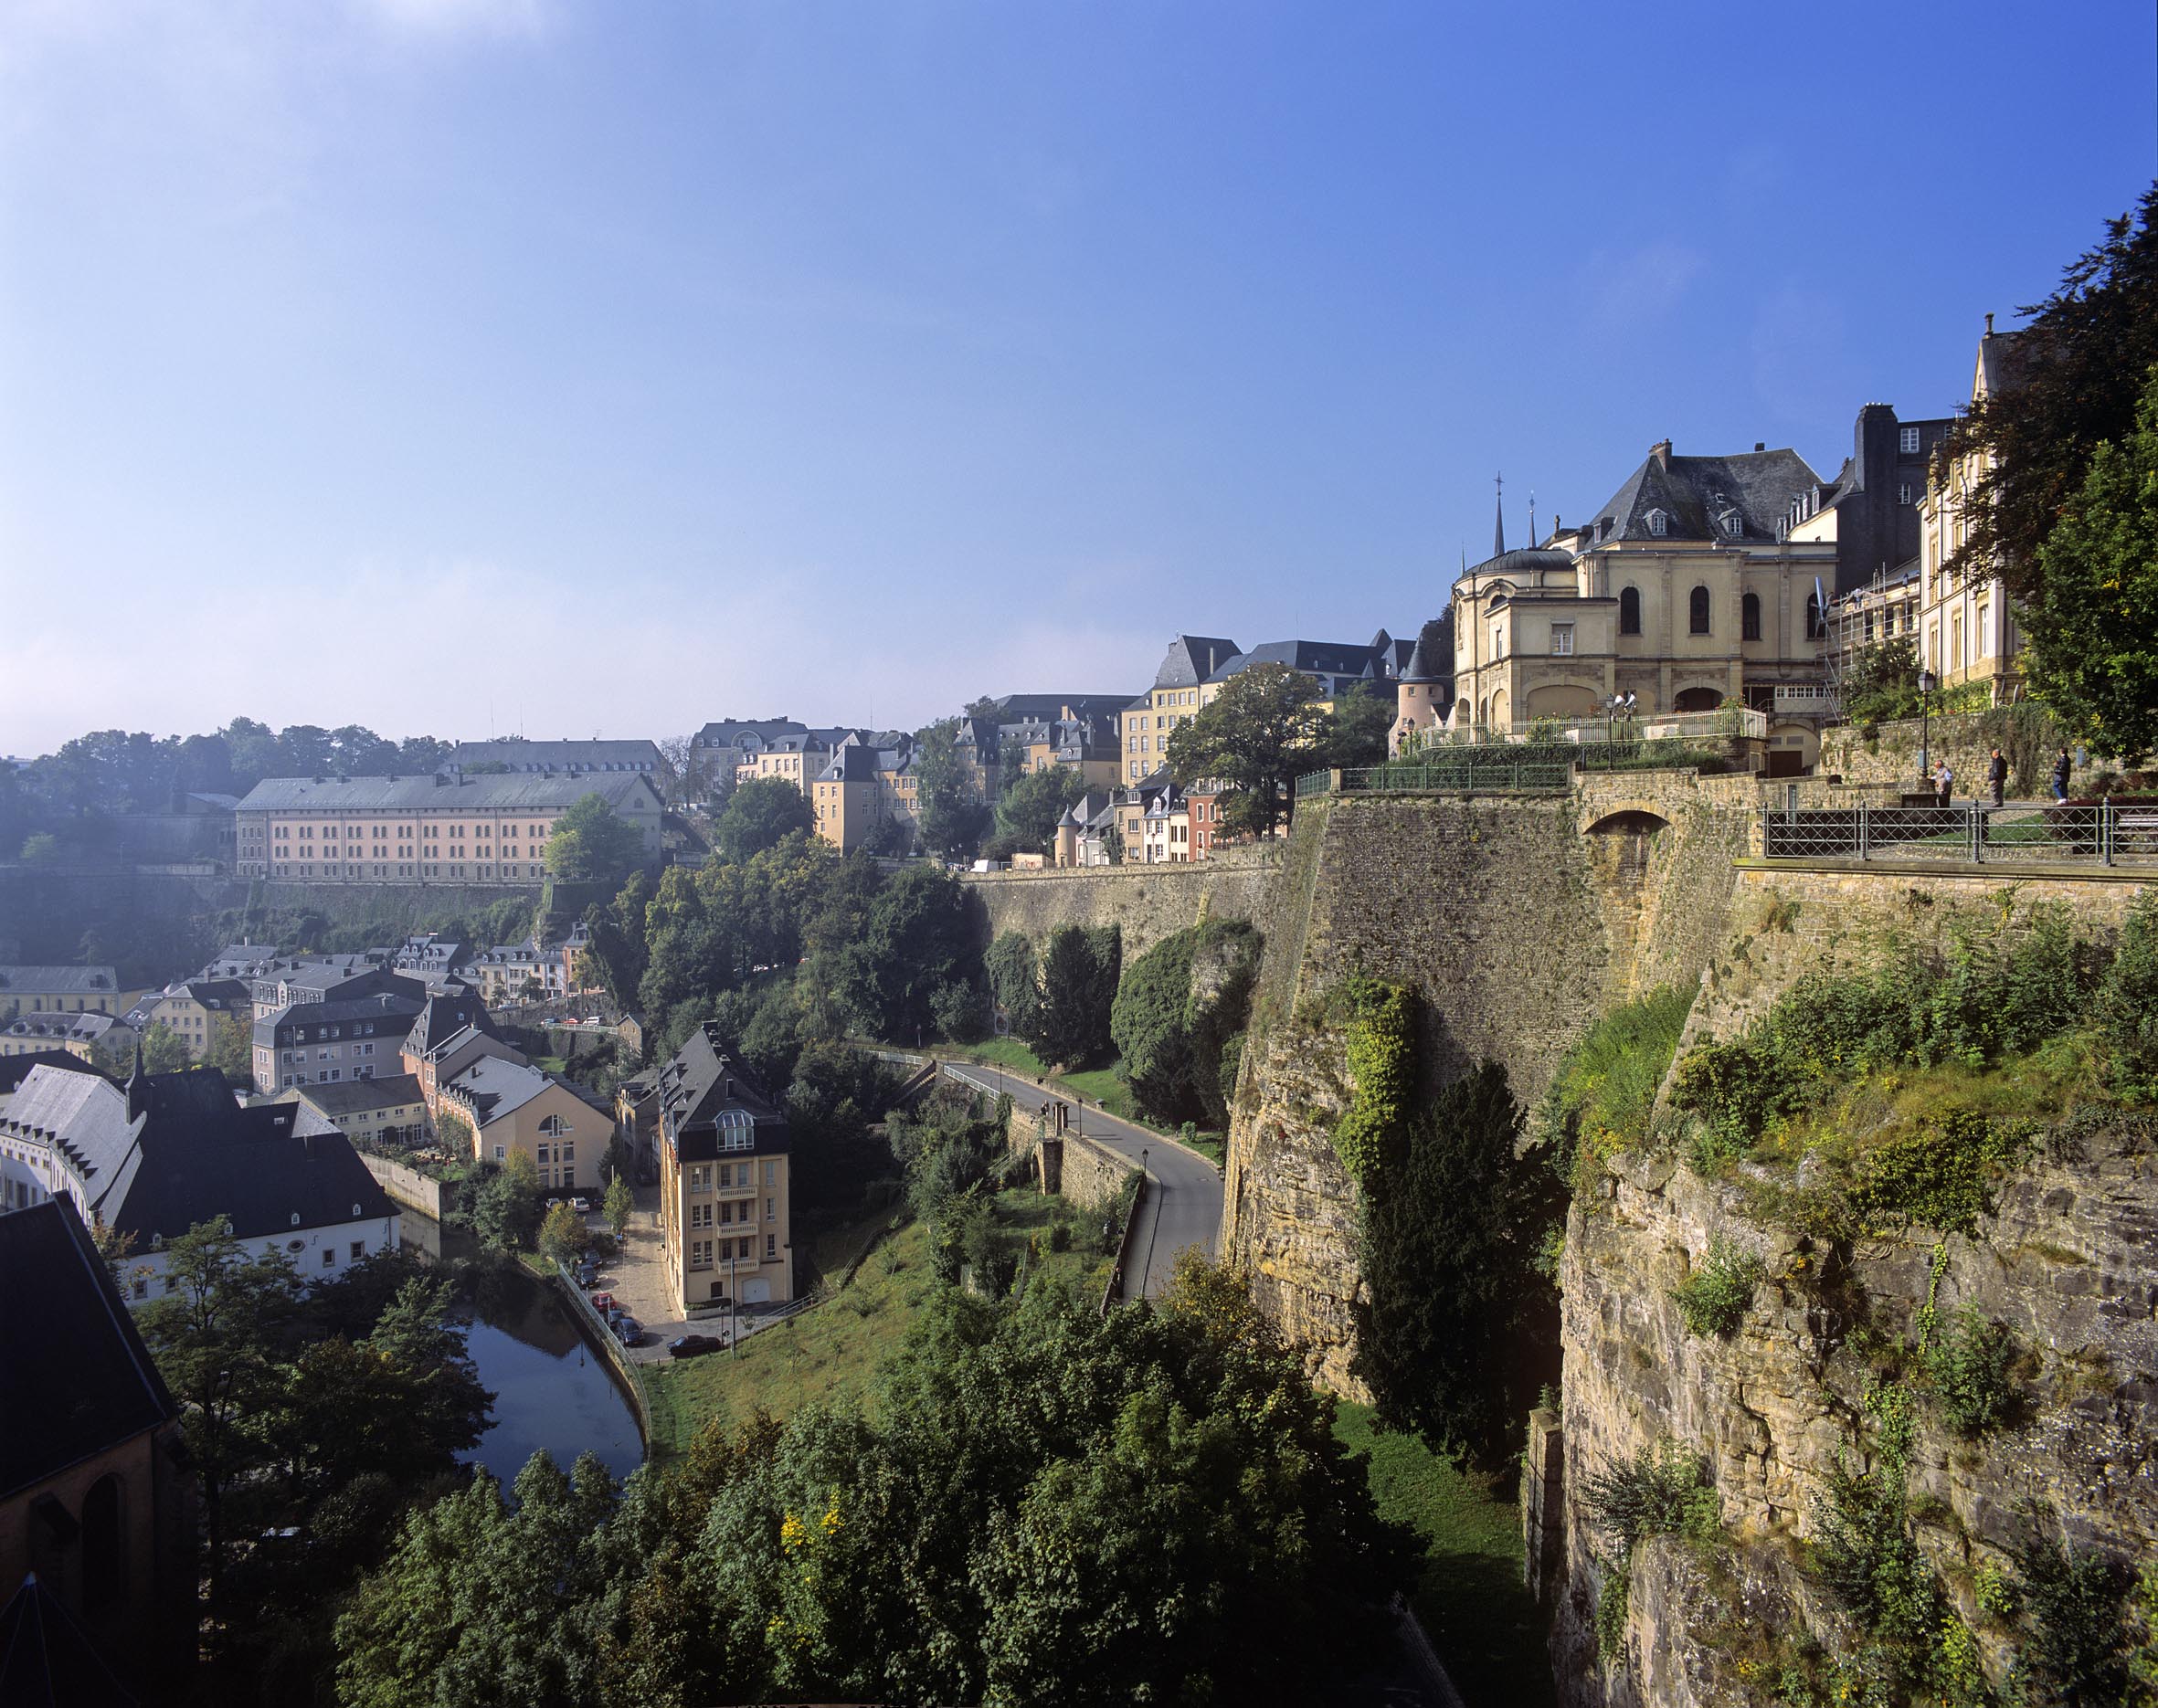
(391, 1110)
(58, 990)
(514, 1109)
(489, 830)
(1966, 630)
(193, 1012)
(1681, 591)
(724, 1182)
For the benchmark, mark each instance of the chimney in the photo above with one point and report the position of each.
(1989, 325)
(1661, 451)
(1761, 445)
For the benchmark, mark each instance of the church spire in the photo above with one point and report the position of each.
(1498, 531)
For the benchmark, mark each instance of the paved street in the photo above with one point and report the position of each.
(1183, 1192)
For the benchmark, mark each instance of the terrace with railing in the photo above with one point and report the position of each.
(2104, 833)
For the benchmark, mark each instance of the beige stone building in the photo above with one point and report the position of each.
(724, 1213)
(1681, 591)
(490, 829)
(390, 1110)
(58, 990)
(1967, 631)
(514, 1109)
(193, 1012)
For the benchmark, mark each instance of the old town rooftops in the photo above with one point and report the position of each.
(515, 792)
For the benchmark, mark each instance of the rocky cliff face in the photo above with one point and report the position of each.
(2065, 1261)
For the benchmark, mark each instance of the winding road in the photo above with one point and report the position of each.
(1183, 1205)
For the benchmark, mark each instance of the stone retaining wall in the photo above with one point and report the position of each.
(407, 1186)
(1148, 902)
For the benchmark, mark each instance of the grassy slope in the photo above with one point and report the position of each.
(832, 1352)
(1470, 1600)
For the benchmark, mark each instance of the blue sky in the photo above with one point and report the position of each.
(451, 366)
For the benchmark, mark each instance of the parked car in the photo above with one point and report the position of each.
(622, 1320)
(583, 1207)
(694, 1345)
(629, 1330)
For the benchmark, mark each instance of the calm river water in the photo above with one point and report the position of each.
(551, 1390)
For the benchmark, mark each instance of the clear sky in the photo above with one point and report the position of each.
(459, 366)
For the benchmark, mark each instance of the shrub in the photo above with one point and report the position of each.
(1660, 1491)
(1611, 1614)
(1968, 1368)
(1940, 1177)
(1603, 1093)
(1715, 1297)
(1382, 1063)
(2075, 1641)
(2127, 1002)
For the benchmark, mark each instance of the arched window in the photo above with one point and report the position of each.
(1660, 525)
(1630, 611)
(1698, 611)
(104, 1547)
(1815, 629)
(1750, 618)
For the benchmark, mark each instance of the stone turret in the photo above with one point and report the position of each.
(1416, 705)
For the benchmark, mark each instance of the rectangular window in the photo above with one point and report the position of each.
(1910, 441)
(1561, 641)
(329, 1257)
(771, 1214)
(771, 1245)
(771, 1174)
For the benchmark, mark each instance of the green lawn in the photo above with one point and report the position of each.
(1470, 1599)
(831, 1352)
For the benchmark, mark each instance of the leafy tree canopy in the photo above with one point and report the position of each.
(1080, 969)
(1255, 739)
(953, 815)
(2091, 625)
(164, 1050)
(1357, 732)
(1033, 803)
(760, 813)
(592, 842)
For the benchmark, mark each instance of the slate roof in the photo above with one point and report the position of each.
(1698, 494)
(518, 791)
(453, 1009)
(492, 1086)
(457, 1052)
(1192, 660)
(395, 1011)
(85, 1029)
(524, 756)
(14, 1069)
(700, 1081)
(79, 1379)
(52, 981)
(851, 764)
(351, 1097)
(48, 1660)
(1418, 670)
(1049, 707)
(1329, 657)
(753, 733)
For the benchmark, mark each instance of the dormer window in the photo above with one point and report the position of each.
(1660, 525)
(1734, 524)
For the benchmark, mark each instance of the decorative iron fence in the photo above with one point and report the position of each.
(1726, 722)
(2106, 833)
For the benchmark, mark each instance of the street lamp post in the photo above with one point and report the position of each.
(1926, 682)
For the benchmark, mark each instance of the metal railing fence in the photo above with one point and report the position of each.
(2106, 833)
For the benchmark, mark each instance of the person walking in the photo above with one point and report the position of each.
(1996, 774)
(2060, 776)
(1943, 782)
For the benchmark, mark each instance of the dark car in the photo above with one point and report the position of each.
(628, 1329)
(694, 1345)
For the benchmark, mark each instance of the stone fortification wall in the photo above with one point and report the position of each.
(1520, 919)
(1148, 902)
(1068, 1163)
(407, 1186)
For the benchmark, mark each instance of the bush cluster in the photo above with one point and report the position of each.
(1599, 1099)
(1714, 1299)
(1967, 1368)
(1383, 1065)
(1660, 1491)
(1178, 1020)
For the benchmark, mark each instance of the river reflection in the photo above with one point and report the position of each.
(551, 1390)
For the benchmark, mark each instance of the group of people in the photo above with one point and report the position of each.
(1996, 776)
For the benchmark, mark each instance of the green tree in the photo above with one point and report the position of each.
(563, 1237)
(916, 938)
(591, 842)
(506, 1214)
(455, 1132)
(617, 957)
(1177, 1010)
(1080, 968)
(1029, 809)
(1361, 728)
(619, 1205)
(41, 849)
(1460, 1324)
(1255, 739)
(760, 813)
(217, 1333)
(2090, 625)
(164, 1050)
(953, 815)
(2076, 376)
(1883, 683)
(1013, 985)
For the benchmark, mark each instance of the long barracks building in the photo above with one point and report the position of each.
(426, 829)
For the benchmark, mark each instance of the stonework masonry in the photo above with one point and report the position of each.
(1148, 902)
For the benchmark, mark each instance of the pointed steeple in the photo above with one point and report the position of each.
(138, 1086)
(1418, 669)
(1498, 531)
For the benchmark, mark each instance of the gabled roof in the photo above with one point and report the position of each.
(351, 1097)
(79, 1379)
(1330, 658)
(700, 1079)
(524, 756)
(48, 1660)
(1192, 660)
(14, 1069)
(492, 1086)
(447, 1012)
(1699, 496)
(395, 1012)
(52, 981)
(747, 733)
